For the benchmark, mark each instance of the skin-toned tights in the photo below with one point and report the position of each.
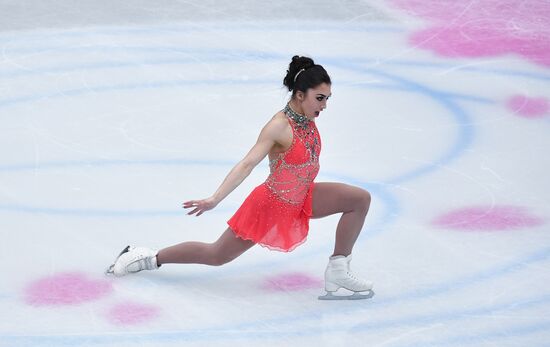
(328, 199)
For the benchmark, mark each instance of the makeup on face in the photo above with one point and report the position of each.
(316, 100)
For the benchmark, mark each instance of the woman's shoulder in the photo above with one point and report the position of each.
(278, 127)
(279, 121)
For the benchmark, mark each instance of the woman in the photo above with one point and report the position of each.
(276, 214)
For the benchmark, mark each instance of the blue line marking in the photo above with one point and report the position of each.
(247, 332)
(504, 333)
(182, 29)
(461, 119)
(113, 163)
(464, 138)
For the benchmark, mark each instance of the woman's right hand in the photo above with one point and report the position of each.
(200, 206)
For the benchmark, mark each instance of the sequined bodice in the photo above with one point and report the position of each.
(293, 171)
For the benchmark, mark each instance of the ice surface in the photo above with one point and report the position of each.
(114, 112)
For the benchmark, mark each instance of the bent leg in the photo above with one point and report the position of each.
(225, 249)
(352, 202)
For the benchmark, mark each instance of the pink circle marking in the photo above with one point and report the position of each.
(528, 107)
(488, 218)
(66, 289)
(291, 282)
(130, 313)
(483, 28)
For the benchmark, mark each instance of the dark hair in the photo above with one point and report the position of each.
(303, 74)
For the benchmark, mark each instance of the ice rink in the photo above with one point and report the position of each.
(115, 112)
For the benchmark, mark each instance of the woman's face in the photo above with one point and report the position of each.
(314, 100)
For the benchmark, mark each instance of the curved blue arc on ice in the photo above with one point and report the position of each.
(464, 138)
(235, 334)
(113, 162)
(123, 87)
(435, 290)
(90, 212)
(461, 119)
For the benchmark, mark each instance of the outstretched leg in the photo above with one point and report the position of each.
(352, 202)
(225, 249)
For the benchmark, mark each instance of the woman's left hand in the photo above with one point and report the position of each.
(200, 206)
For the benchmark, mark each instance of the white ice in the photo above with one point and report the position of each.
(112, 113)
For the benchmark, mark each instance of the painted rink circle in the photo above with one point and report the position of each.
(66, 289)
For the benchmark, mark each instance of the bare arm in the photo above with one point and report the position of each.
(272, 134)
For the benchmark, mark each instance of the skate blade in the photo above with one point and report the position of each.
(355, 296)
(111, 269)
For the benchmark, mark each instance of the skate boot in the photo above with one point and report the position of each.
(133, 259)
(338, 275)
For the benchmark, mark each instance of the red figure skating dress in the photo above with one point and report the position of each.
(276, 214)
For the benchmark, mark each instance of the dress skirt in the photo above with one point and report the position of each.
(268, 220)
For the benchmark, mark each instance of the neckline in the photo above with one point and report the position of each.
(300, 119)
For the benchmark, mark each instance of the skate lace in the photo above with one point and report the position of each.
(353, 277)
(141, 260)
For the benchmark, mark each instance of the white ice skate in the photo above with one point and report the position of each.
(338, 275)
(133, 259)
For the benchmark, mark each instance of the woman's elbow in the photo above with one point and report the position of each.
(247, 166)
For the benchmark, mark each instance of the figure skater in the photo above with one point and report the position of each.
(276, 214)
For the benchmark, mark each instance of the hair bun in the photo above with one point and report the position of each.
(303, 74)
(302, 62)
(298, 63)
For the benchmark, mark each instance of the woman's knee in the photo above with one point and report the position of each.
(362, 199)
(220, 259)
(227, 248)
